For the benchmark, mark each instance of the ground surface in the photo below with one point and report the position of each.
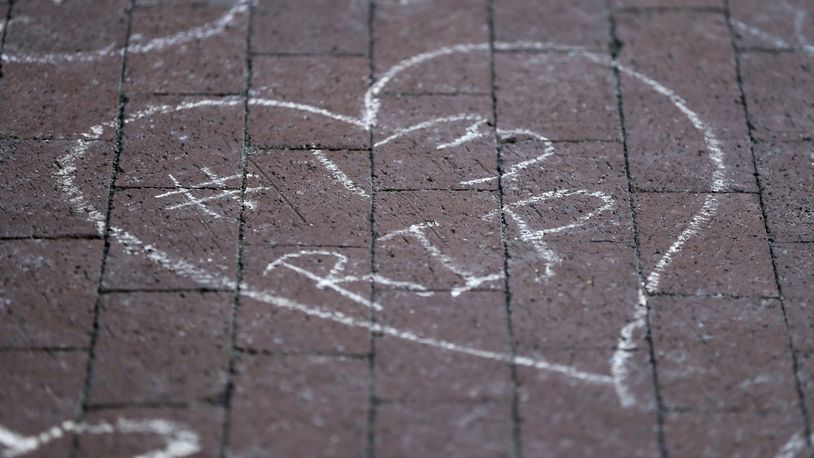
(416, 228)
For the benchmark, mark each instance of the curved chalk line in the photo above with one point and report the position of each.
(618, 363)
(800, 15)
(197, 33)
(179, 442)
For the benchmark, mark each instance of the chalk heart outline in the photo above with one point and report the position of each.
(367, 120)
(618, 377)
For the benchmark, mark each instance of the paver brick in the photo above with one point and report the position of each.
(728, 434)
(441, 234)
(31, 198)
(193, 329)
(557, 95)
(202, 234)
(737, 263)
(204, 421)
(200, 146)
(309, 198)
(785, 173)
(584, 304)
(333, 83)
(561, 416)
(289, 273)
(41, 390)
(443, 429)
(443, 155)
(795, 265)
(402, 30)
(83, 93)
(416, 373)
(689, 53)
(720, 355)
(776, 87)
(579, 23)
(768, 25)
(48, 295)
(316, 26)
(210, 64)
(293, 405)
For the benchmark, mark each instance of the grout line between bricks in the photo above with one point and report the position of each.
(372, 406)
(614, 46)
(795, 365)
(229, 391)
(52, 237)
(117, 148)
(517, 444)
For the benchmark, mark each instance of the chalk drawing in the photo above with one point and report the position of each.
(199, 203)
(794, 447)
(179, 441)
(416, 231)
(798, 21)
(617, 379)
(136, 46)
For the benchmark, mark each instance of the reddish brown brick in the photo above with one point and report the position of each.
(584, 305)
(450, 222)
(58, 101)
(315, 26)
(300, 201)
(805, 371)
(48, 291)
(777, 87)
(333, 83)
(408, 371)
(403, 30)
(193, 329)
(723, 354)
(727, 255)
(635, 4)
(214, 64)
(40, 27)
(690, 54)
(203, 238)
(729, 434)
(795, 269)
(566, 417)
(41, 390)
(428, 158)
(579, 23)
(31, 199)
(206, 422)
(766, 25)
(311, 406)
(191, 145)
(559, 96)
(785, 172)
(443, 429)
(566, 192)
(263, 324)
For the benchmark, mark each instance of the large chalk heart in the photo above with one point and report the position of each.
(413, 238)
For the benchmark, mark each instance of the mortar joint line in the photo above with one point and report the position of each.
(121, 101)
(613, 52)
(517, 444)
(795, 364)
(372, 404)
(228, 394)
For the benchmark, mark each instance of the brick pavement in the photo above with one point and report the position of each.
(406, 228)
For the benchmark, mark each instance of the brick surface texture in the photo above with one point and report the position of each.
(406, 228)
